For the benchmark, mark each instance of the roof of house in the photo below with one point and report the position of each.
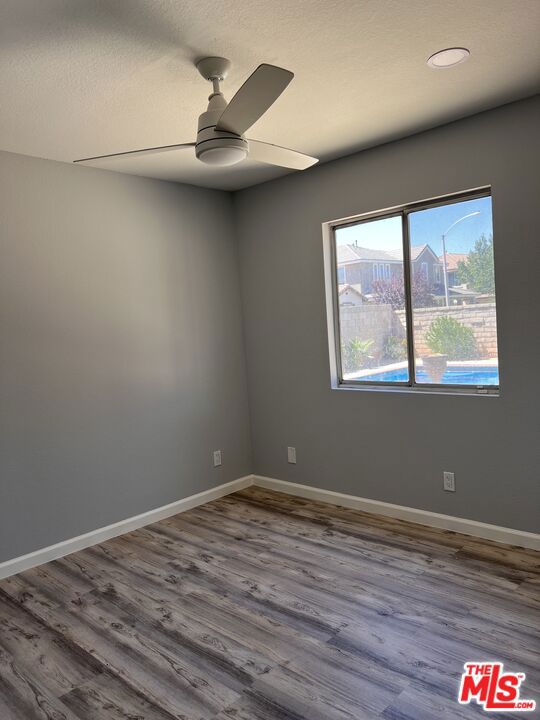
(452, 260)
(354, 288)
(355, 253)
(463, 291)
(415, 252)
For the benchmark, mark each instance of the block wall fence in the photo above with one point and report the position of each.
(377, 322)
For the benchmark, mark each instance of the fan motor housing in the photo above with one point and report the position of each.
(215, 147)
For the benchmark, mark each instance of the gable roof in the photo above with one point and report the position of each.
(355, 253)
(352, 288)
(417, 250)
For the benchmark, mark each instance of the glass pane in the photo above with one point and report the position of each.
(453, 294)
(371, 290)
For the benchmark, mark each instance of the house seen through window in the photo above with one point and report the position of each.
(415, 297)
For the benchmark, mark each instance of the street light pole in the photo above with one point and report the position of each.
(445, 264)
(445, 271)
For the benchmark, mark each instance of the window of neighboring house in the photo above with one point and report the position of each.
(409, 332)
(341, 275)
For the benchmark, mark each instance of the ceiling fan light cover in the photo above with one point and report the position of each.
(222, 156)
(219, 149)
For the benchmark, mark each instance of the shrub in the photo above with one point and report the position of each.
(449, 337)
(355, 354)
(395, 348)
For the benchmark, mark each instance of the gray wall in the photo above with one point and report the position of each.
(121, 350)
(122, 356)
(394, 447)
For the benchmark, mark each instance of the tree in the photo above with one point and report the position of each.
(421, 291)
(392, 292)
(389, 292)
(477, 270)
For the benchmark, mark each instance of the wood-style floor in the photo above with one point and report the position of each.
(260, 606)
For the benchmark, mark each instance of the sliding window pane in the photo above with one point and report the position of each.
(371, 301)
(453, 294)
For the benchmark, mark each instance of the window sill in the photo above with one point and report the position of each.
(402, 389)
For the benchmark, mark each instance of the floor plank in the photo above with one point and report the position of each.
(108, 698)
(45, 652)
(24, 697)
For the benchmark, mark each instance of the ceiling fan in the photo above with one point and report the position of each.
(220, 136)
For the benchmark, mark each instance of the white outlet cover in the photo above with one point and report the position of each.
(449, 482)
(291, 455)
(217, 458)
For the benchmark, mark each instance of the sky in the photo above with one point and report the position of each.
(425, 226)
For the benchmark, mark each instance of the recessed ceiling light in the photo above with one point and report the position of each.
(448, 58)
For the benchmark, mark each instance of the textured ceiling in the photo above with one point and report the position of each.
(88, 77)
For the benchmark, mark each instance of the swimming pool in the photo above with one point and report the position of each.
(454, 375)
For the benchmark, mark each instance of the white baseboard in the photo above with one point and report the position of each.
(401, 512)
(66, 547)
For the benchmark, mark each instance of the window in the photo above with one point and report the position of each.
(416, 329)
(381, 271)
(341, 275)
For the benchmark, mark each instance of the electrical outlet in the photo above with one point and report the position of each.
(217, 458)
(291, 455)
(449, 482)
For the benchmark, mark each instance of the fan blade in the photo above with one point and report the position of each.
(257, 94)
(276, 155)
(145, 151)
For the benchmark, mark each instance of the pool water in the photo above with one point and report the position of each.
(488, 375)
